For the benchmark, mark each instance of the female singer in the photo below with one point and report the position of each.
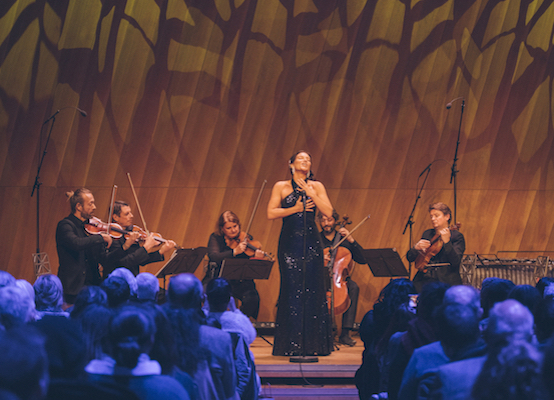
(302, 307)
(223, 244)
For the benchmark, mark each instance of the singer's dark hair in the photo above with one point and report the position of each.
(293, 159)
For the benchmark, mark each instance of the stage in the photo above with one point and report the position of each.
(332, 377)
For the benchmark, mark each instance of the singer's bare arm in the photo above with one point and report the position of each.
(316, 191)
(278, 193)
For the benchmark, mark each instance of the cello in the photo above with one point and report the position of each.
(340, 266)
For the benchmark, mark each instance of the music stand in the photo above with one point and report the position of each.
(385, 262)
(182, 260)
(245, 268)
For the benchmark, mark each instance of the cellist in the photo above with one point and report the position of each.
(446, 243)
(328, 235)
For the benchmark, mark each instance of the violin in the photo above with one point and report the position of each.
(341, 260)
(251, 245)
(96, 226)
(425, 256)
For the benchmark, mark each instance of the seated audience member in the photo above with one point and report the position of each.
(117, 289)
(548, 367)
(513, 374)
(65, 346)
(509, 321)
(6, 279)
(164, 349)
(30, 291)
(544, 321)
(49, 296)
(458, 331)
(527, 295)
(89, 295)
(372, 329)
(131, 336)
(218, 292)
(493, 290)
(204, 352)
(94, 322)
(387, 347)
(147, 287)
(16, 307)
(129, 277)
(544, 283)
(23, 364)
(421, 331)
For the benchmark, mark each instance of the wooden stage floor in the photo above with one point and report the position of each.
(332, 377)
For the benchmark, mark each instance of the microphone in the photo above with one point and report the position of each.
(426, 169)
(449, 105)
(82, 112)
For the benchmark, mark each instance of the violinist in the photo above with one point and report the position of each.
(129, 251)
(329, 234)
(79, 254)
(451, 243)
(224, 243)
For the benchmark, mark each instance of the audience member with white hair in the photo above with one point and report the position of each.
(147, 286)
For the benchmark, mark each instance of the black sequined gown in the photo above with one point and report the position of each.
(302, 318)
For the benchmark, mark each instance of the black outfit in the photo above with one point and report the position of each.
(79, 255)
(450, 252)
(243, 290)
(132, 258)
(303, 326)
(353, 290)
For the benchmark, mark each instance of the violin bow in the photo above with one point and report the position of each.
(110, 213)
(138, 204)
(255, 208)
(351, 232)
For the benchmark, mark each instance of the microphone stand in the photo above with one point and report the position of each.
(410, 221)
(41, 261)
(303, 358)
(454, 163)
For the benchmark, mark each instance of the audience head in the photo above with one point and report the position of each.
(117, 289)
(94, 321)
(126, 274)
(396, 292)
(147, 286)
(464, 295)
(185, 291)
(544, 319)
(25, 285)
(16, 306)
(543, 283)
(23, 363)
(458, 325)
(509, 320)
(131, 334)
(430, 299)
(527, 295)
(6, 279)
(89, 295)
(494, 290)
(65, 346)
(218, 292)
(548, 367)
(512, 374)
(48, 293)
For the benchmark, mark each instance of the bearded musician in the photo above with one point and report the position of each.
(225, 243)
(128, 252)
(450, 255)
(329, 236)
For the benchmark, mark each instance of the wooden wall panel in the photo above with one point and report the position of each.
(202, 100)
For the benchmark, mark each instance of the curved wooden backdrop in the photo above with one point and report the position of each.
(202, 100)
